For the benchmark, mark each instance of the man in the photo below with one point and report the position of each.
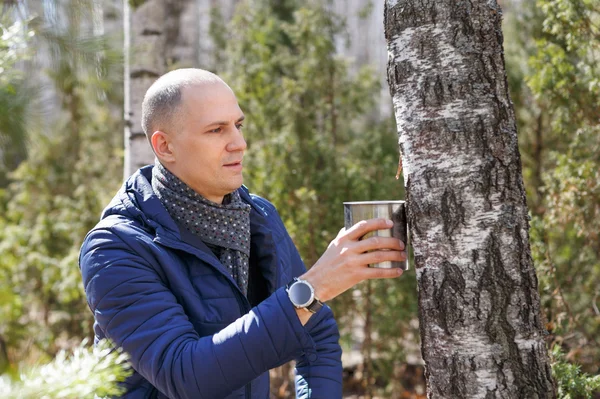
(197, 280)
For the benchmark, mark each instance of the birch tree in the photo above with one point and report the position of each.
(159, 35)
(481, 327)
(144, 49)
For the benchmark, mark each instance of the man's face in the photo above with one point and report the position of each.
(209, 146)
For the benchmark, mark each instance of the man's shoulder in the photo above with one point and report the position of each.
(117, 224)
(116, 228)
(264, 204)
(258, 201)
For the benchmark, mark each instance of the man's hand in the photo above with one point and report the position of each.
(345, 262)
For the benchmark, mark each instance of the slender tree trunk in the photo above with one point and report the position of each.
(538, 149)
(367, 345)
(159, 35)
(144, 48)
(481, 327)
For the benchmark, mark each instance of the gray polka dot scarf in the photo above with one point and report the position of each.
(224, 228)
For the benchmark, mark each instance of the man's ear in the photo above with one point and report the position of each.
(161, 144)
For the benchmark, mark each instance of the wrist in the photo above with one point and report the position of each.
(320, 291)
(304, 315)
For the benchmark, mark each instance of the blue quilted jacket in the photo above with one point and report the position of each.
(159, 293)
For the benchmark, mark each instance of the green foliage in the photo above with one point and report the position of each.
(572, 383)
(315, 140)
(53, 201)
(82, 373)
(136, 3)
(311, 142)
(559, 50)
(53, 198)
(50, 200)
(566, 58)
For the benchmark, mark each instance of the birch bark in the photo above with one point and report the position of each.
(481, 328)
(159, 35)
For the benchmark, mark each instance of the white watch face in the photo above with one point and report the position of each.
(301, 294)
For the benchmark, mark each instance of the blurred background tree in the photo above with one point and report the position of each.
(316, 138)
(15, 96)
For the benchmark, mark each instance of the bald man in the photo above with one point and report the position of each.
(198, 280)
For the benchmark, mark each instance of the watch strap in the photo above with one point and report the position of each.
(315, 306)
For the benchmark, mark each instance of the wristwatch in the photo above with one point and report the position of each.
(302, 295)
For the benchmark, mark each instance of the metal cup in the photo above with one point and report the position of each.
(354, 212)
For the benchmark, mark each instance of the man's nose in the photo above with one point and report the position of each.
(238, 143)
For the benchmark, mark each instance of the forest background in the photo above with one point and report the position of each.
(61, 160)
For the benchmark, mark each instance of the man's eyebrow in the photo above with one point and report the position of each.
(223, 123)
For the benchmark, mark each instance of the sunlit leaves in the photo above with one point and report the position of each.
(84, 373)
(572, 383)
(565, 66)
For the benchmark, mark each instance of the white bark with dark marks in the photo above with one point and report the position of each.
(159, 35)
(481, 328)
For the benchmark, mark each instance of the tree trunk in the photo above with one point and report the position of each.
(481, 327)
(159, 35)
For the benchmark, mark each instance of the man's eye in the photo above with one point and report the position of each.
(239, 126)
(217, 130)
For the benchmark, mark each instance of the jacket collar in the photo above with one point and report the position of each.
(136, 199)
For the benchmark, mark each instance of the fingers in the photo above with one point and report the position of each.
(373, 243)
(381, 256)
(363, 227)
(337, 239)
(372, 273)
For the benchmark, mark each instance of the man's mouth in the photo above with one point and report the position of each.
(234, 165)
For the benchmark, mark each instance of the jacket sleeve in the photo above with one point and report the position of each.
(318, 372)
(136, 310)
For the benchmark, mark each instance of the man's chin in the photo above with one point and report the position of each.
(237, 184)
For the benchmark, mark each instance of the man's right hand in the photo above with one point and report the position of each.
(345, 262)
